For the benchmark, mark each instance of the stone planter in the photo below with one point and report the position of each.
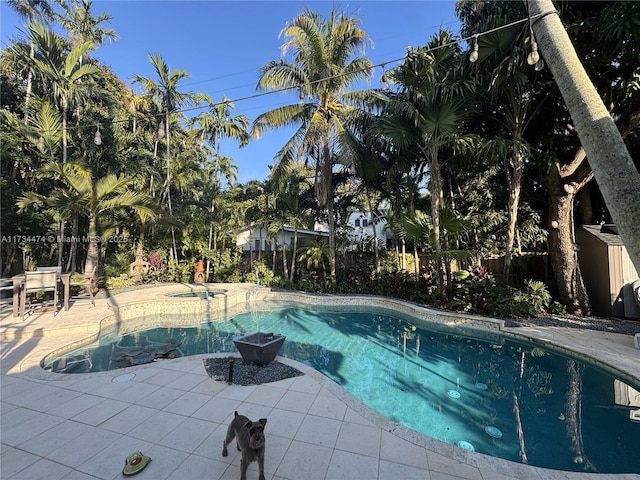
(259, 348)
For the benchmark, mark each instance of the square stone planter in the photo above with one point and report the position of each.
(259, 348)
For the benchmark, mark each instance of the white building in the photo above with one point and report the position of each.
(251, 238)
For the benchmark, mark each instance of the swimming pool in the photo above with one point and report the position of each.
(507, 398)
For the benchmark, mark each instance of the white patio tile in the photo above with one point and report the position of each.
(61, 434)
(42, 470)
(328, 406)
(187, 404)
(217, 409)
(237, 392)
(188, 435)
(128, 419)
(199, 467)
(86, 446)
(305, 461)
(164, 461)
(296, 401)
(318, 431)
(352, 466)
(441, 464)
(185, 381)
(75, 406)
(396, 471)
(156, 427)
(284, 423)
(137, 391)
(305, 384)
(161, 398)
(359, 439)
(101, 412)
(15, 460)
(266, 395)
(18, 434)
(398, 450)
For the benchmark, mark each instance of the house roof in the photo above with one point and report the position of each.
(606, 233)
(301, 231)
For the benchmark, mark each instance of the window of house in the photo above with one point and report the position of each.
(358, 222)
(365, 222)
(256, 245)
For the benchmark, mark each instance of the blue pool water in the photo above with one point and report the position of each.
(509, 399)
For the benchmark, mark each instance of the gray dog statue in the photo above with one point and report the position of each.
(249, 440)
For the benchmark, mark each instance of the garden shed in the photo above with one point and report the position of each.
(609, 275)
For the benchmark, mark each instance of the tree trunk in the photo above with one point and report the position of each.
(515, 183)
(562, 184)
(93, 253)
(293, 255)
(612, 166)
(435, 189)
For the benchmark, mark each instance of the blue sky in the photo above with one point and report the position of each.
(223, 44)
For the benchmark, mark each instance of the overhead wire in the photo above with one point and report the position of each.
(384, 64)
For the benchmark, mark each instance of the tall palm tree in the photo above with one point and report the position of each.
(97, 199)
(323, 67)
(60, 69)
(32, 10)
(216, 124)
(84, 27)
(165, 90)
(436, 96)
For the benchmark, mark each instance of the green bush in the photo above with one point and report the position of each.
(121, 281)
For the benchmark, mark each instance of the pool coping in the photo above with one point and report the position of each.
(577, 343)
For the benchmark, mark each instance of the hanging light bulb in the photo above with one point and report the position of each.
(533, 56)
(539, 65)
(41, 144)
(301, 96)
(97, 139)
(384, 79)
(473, 57)
(161, 130)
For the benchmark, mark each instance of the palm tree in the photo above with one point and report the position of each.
(59, 67)
(84, 27)
(96, 199)
(435, 96)
(324, 66)
(32, 10)
(165, 90)
(215, 125)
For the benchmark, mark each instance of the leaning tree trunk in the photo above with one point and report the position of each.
(612, 166)
(562, 184)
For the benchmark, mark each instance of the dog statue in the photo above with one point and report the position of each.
(249, 440)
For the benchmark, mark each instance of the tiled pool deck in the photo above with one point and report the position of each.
(83, 426)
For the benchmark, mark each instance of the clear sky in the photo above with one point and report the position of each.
(223, 44)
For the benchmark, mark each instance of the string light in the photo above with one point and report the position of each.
(301, 95)
(411, 55)
(97, 139)
(473, 57)
(534, 56)
(384, 79)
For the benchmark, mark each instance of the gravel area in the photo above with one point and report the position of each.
(248, 373)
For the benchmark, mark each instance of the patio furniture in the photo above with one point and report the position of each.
(39, 281)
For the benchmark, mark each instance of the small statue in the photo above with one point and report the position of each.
(198, 277)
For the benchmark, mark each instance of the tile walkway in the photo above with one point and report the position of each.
(83, 426)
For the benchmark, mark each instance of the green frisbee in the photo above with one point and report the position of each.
(135, 462)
